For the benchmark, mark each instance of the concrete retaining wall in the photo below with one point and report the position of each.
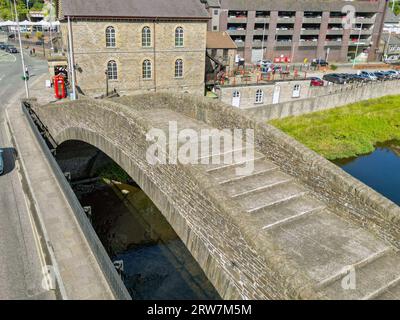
(336, 96)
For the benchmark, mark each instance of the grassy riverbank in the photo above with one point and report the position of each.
(346, 131)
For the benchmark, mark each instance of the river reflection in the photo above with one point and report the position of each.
(380, 169)
(157, 265)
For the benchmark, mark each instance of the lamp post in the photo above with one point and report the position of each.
(358, 43)
(262, 43)
(22, 54)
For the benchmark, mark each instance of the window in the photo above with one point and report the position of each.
(215, 28)
(179, 68)
(215, 12)
(110, 37)
(146, 37)
(296, 91)
(112, 71)
(146, 69)
(259, 96)
(179, 37)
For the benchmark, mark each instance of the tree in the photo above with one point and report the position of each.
(37, 5)
(7, 9)
(396, 7)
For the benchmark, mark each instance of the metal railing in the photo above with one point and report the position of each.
(113, 278)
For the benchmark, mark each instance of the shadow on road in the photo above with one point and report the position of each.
(9, 156)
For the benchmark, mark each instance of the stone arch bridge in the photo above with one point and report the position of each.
(297, 227)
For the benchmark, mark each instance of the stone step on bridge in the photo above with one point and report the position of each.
(296, 227)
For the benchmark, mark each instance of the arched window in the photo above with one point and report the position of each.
(112, 70)
(259, 96)
(146, 69)
(110, 37)
(146, 37)
(178, 68)
(179, 37)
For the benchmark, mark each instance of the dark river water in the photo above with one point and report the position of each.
(380, 170)
(157, 265)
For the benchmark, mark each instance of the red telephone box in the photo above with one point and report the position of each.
(59, 87)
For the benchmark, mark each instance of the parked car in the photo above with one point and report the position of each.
(369, 75)
(395, 74)
(11, 49)
(365, 77)
(389, 75)
(316, 82)
(1, 162)
(334, 78)
(347, 76)
(2, 46)
(381, 76)
(39, 42)
(319, 62)
(357, 78)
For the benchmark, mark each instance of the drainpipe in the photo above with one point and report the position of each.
(154, 55)
(71, 59)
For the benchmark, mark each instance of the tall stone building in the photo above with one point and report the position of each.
(299, 29)
(136, 46)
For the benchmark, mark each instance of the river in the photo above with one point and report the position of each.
(380, 169)
(157, 265)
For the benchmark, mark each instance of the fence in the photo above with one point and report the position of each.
(106, 265)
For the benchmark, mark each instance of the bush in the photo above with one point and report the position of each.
(39, 35)
(27, 35)
(334, 67)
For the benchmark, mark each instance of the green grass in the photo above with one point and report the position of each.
(346, 131)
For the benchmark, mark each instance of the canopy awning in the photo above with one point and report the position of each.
(7, 23)
(26, 23)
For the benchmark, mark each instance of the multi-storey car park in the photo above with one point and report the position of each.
(301, 29)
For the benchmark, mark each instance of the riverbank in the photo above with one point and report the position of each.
(346, 131)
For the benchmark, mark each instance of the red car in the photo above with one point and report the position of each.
(316, 82)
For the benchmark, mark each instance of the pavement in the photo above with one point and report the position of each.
(21, 257)
(37, 226)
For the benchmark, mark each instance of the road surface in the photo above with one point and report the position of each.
(20, 254)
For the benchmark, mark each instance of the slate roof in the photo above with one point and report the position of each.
(178, 9)
(219, 40)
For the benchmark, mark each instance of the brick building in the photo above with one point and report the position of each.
(300, 29)
(136, 46)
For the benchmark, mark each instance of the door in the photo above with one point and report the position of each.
(296, 91)
(276, 96)
(236, 99)
(256, 55)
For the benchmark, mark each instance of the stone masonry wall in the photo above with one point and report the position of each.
(248, 93)
(91, 56)
(326, 98)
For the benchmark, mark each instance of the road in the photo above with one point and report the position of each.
(20, 254)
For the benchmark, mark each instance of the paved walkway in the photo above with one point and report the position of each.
(78, 269)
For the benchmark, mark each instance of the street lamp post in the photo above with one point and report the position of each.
(22, 54)
(358, 43)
